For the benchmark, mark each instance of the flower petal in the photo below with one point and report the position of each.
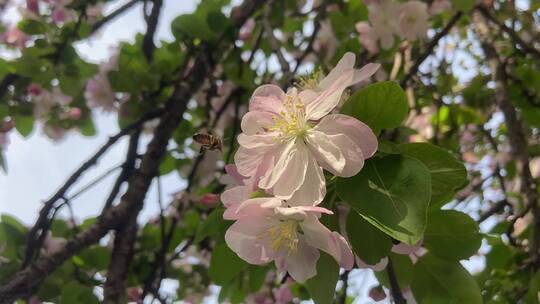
(289, 171)
(235, 195)
(258, 205)
(354, 158)
(345, 63)
(244, 238)
(325, 151)
(256, 122)
(267, 98)
(360, 133)
(265, 141)
(313, 189)
(365, 72)
(302, 264)
(329, 98)
(318, 236)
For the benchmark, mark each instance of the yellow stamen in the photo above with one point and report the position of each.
(284, 235)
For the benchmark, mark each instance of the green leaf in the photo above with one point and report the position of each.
(442, 281)
(213, 225)
(448, 175)
(191, 25)
(463, 5)
(369, 243)
(534, 288)
(24, 124)
(168, 165)
(382, 105)
(224, 265)
(452, 235)
(32, 27)
(403, 268)
(391, 193)
(322, 286)
(257, 276)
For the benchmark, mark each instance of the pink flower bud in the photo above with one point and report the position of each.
(34, 89)
(209, 199)
(75, 113)
(283, 294)
(33, 6)
(377, 293)
(247, 29)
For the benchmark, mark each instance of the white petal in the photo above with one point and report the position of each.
(360, 133)
(313, 189)
(254, 122)
(267, 98)
(244, 238)
(325, 151)
(329, 98)
(289, 171)
(302, 265)
(345, 63)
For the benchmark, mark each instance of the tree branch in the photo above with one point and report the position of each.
(397, 295)
(22, 282)
(99, 24)
(151, 26)
(430, 47)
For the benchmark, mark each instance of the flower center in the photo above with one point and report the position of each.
(292, 122)
(284, 235)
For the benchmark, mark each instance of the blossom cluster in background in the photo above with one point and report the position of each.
(389, 18)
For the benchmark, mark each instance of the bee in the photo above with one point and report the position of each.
(208, 141)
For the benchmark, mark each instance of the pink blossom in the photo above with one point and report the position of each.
(367, 36)
(62, 14)
(377, 293)
(75, 113)
(283, 294)
(94, 12)
(34, 89)
(46, 100)
(14, 37)
(439, 6)
(326, 42)
(413, 20)
(384, 17)
(33, 6)
(209, 199)
(246, 30)
(99, 93)
(403, 248)
(381, 265)
(288, 138)
(268, 230)
(54, 132)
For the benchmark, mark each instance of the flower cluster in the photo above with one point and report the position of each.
(388, 18)
(287, 139)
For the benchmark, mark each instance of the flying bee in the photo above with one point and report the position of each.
(208, 142)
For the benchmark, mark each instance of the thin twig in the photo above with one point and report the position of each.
(430, 47)
(397, 295)
(99, 24)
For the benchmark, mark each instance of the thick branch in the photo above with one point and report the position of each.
(124, 238)
(151, 26)
(26, 280)
(32, 244)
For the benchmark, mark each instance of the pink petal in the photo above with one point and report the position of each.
(232, 171)
(289, 171)
(267, 98)
(345, 63)
(354, 158)
(313, 189)
(257, 206)
(325, 151)
(318, 236)
(244, 238)
(381, 265)
(255, 122)
(262, 141)
(365, 72)
(360, 133)
(248, 160)
(329, 98)
(235, 195)
(302, 264)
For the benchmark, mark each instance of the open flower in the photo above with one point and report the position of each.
(384, 17)
(289, 137)
(268, 230)
(413, 20)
